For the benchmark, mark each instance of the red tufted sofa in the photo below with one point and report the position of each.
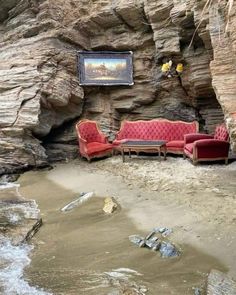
(158, 129)
(205, 147)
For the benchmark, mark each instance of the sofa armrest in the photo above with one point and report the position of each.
(189, 138)
(104, 139)
(210, 149)
(117, 137)
(82, 145)
(81, 140)
(211, 143)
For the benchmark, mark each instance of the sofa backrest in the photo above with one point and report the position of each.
(132, 130)
(221, 133)
(89, 131)
(159, 129)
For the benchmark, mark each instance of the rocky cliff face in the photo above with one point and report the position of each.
(39, 89)
(40, 96)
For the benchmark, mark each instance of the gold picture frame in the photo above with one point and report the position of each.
(105, 68)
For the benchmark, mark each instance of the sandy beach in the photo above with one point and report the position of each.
(197, 202)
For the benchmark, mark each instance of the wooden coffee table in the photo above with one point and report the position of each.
(143, 146)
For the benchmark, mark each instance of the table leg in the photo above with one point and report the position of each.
(123, 154)
(129, 153)
(159, 151)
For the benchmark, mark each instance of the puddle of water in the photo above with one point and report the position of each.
(85, 251)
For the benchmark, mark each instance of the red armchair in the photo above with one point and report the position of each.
(205, 147)
(92, 142)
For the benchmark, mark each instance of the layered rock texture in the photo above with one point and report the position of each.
(40, 95)
(17, 215)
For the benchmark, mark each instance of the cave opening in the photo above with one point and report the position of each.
(188, 97)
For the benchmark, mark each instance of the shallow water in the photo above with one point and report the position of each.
(85, 251)
(13, 260)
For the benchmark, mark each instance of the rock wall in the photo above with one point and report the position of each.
(39, 89)
(40, 96)
(223, 67)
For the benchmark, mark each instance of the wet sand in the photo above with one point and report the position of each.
(75, 252)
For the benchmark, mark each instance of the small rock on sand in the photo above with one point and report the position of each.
(109, 205)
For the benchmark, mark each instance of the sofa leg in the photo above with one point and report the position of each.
(226, 161)
(88, 159)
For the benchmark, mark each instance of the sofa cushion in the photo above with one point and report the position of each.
(175, 144)
(96, 147)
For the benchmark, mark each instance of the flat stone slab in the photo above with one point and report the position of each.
(19, 217)
(220, 284)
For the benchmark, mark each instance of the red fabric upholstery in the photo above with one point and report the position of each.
(92, 142)
(206, 148)
(175, 146)
(97, 147)
(221, 133)
(188, 138)
(175, 143)
(159, 129)
(189, 147)
(89, 131)
(118, 142)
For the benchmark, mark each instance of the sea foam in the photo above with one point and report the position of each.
(13, 260)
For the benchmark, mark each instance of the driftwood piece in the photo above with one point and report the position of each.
(82, 198)
(33, 230)
(220, 284)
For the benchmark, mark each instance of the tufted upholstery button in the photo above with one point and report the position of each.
(221, 133)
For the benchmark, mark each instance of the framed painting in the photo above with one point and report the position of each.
(105, 68)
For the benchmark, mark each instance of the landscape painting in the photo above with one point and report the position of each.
(105, 68)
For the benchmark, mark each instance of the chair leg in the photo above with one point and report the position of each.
(226, 161)
(194, 162)
(184, 156)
